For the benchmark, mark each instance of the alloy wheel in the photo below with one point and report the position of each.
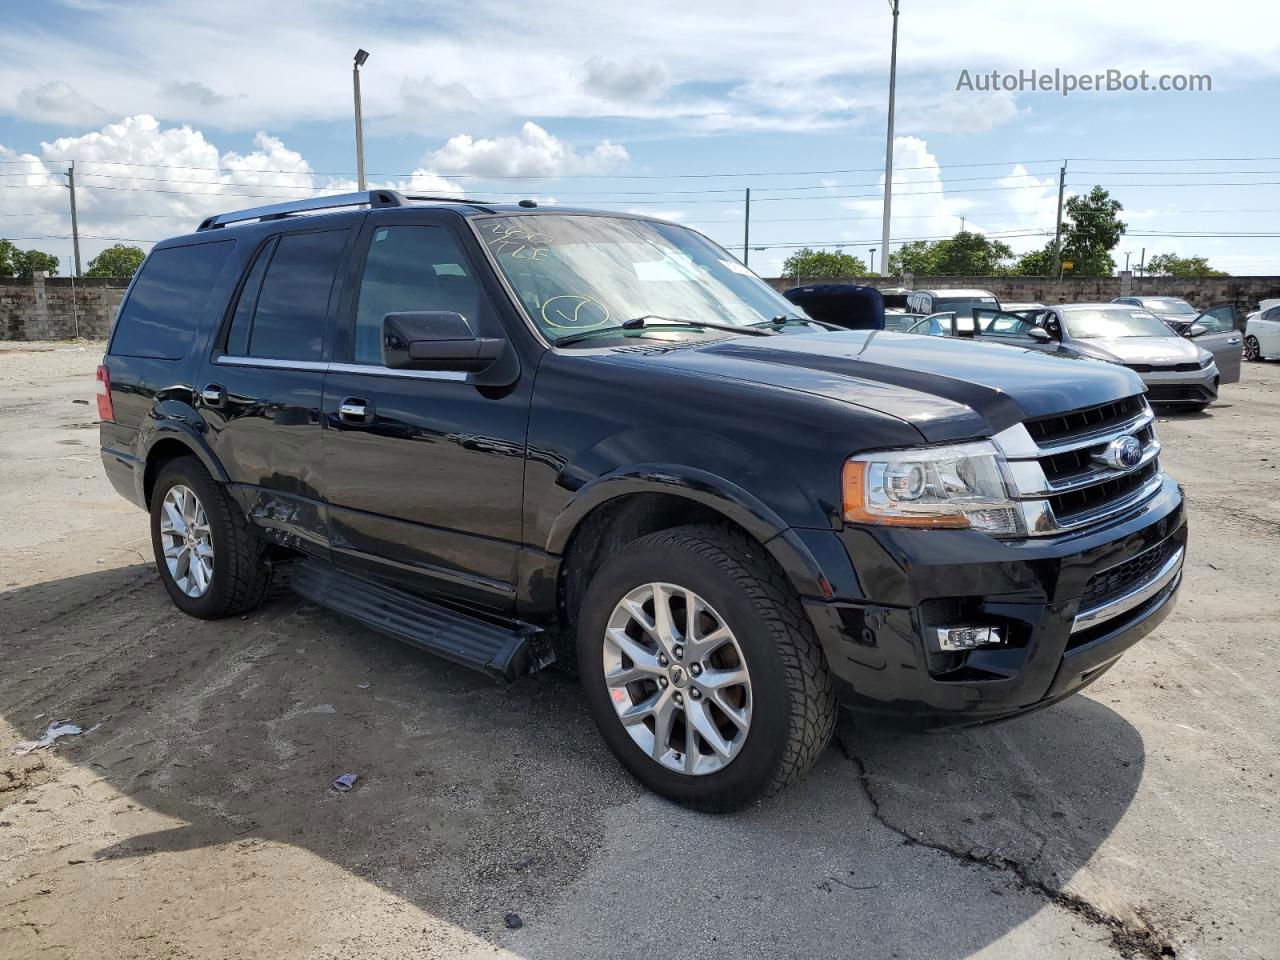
(186, 540)
(677, 678)
(1251, 349)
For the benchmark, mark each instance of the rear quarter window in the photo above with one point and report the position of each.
(168, 301)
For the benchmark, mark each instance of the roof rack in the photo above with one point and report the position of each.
(370, 198)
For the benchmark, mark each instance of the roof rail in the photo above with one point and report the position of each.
(276, 211)
(485, 205)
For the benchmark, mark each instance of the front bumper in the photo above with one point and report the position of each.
(903, 584)
(1189, 386)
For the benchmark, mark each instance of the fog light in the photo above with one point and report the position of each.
(968, 638)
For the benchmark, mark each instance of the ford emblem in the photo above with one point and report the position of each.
(1122, 453)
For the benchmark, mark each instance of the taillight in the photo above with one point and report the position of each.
(105, 410)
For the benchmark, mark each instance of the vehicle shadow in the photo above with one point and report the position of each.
(476, 799)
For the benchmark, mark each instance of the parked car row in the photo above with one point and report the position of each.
(1182, 355)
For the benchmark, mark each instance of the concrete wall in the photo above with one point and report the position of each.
(1203, 292)
(43, 308)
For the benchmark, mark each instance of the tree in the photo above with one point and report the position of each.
(27, 262)
(1095, 230)
(1037, 263)
(823, 264)
(119, 260)
(1091, 229)
(1172, 265)
(965, 254)
(7, 252)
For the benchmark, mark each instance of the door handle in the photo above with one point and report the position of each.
(355, 410)
(1233, 341)
(213, 395)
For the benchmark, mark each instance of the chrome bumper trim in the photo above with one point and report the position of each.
(1134, 598)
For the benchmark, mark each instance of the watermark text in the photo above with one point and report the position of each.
(1060, 81)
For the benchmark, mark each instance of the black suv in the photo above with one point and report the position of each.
(511, 435)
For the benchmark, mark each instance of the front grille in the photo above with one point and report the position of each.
(1176, 392)
(1123, 577)
(1071, 464)
(1059, 465)
(1047, 431)
(1163, 368)
(1067, 506)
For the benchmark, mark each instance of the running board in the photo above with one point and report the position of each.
(504, 650)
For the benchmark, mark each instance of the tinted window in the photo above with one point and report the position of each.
(412, 268)
(288, 323)
(168, 300)
(1272, 314)
(238, 336)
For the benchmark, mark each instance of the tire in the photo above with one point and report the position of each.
(1252, 349)
(788, 702)
(240, 574)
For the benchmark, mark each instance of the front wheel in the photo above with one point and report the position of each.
(1252, 349)
(701, 669)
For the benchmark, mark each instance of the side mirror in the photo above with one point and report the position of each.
(1040, 335)
(436, 340)
(1197, 330)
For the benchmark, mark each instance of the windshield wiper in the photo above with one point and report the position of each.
(782, 320)
(646, 322)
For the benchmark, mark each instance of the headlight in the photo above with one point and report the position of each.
(1206, 361)
(956, 486)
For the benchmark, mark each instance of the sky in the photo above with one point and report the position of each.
(176, 109)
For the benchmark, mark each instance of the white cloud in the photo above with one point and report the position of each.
(919, 196)
(625, 80)
(956, 112)
(138, 180)
(534, 153)
(424, 97)
(194, 92)
(57, 102)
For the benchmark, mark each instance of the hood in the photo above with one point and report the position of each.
(1155, 350)
(946, 388)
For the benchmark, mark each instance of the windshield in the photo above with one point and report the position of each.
(1168, 305)
(1100, 323)
(577, 273)
(964, 305)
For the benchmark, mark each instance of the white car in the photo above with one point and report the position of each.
(1262, 332)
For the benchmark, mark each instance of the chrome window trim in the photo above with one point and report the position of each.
(1136, 597)
(359, 368)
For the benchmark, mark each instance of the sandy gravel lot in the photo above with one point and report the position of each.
(197, 821)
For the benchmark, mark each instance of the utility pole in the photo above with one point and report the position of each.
(1126, 261)
(75, 226)
(1142, 263)
(888, 147)
(360, 58)
(1057, 233)
(746, 227)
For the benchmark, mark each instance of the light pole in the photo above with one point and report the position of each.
(360, 58)
(888, 147)
(873, 260)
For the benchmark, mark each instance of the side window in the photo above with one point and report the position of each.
(1272, 314)
(238, 336)
(413, 267)
(1217, 320)
(282, 308)
(168, 300)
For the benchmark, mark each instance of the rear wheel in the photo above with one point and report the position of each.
(1252, 349)
(701, 670)
(208, 558)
